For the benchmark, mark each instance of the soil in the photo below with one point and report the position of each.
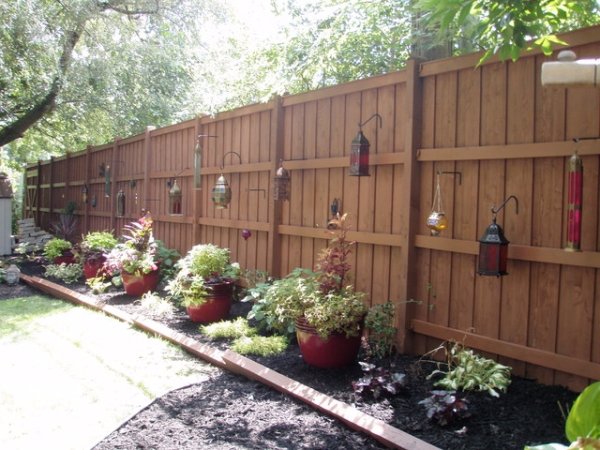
(232, 412)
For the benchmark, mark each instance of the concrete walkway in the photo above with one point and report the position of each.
(69, 376)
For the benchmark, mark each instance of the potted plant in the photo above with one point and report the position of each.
(327, 311)
(93, 249)
(135, 258)
(59, 251)
(204, 283)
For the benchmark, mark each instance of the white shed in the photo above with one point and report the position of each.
(6, 196)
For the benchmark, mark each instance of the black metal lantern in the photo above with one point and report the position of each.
(120, 203)
(359, 153)
(107, 181)
(281, 182)
(84, 194)
(493, 247)
(221, 193)
(175, 198)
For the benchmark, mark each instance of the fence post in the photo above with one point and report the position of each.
(38, 193)
(50, 194)
(86, 182)
(410, 200)
(113, 184)
(197, 193)
(147, 167)
(274, 239)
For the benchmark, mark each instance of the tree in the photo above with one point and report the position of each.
(80, 72)
(506, 27)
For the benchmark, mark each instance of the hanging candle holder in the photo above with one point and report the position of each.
(198, 160)
(120, 203)
(221, 191)
(575, 199)
(437, 221)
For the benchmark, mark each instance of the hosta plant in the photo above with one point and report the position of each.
(378, 381)
(468, 371)
(69, 273)
(445, 407)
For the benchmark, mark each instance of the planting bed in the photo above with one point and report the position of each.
(230, 411)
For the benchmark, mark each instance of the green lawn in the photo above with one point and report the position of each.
(69, 376)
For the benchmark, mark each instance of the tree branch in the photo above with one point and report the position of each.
(16, 129)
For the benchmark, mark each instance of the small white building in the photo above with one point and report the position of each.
(6, 197)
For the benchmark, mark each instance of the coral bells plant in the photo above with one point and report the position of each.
(136, 254)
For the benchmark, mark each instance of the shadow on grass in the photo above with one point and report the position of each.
(16, 313)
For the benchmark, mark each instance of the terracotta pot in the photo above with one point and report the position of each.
(91, 267)
(66, 258)
(337, 350)
(137, 285)
(216, 307)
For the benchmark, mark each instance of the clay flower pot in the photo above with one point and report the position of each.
(66, 258)
(91, 267)
(216, 306)
(337, 350)
(137, 285)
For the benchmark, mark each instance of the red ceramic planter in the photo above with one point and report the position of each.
(216, 307)
(92, 267)
(136, 285)
(337, 350)
(66, 258)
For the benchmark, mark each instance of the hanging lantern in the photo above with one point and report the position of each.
(575, 199)
(120, 203)
(197, 164)
(437, 221)
(221, 193)
(107, 181)
(94, 201)
(359, 152)
(84, 194)
(359, 156)
(493, 247)
(175, 199)
(281, 182)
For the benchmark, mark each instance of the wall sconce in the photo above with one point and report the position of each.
(120, 203)
(575, 199)
(221, 192)
(281, 183)
(359, 153)
(493, 246)
(175, 197)
(84, 194)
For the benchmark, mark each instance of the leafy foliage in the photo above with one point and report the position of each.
(260, 345)
(445, 407)
(509, 26)
(156, 305)
(55, 247)
(378, 381)
(264, 309)
(468, 371)
(228, 329)
(382, 332)
(69, 273)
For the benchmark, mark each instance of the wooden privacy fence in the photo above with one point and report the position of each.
(496, 126)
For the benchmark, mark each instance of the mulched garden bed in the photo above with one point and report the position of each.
(232, 412)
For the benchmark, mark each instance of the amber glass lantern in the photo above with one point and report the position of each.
(120, 203)
(84, 194)
(221, 193)
(281, 182)
(175, 199)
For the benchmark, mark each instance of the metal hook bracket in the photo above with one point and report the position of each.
(234, 153)
(458, 174)
(264, 191)
(497, 210)
(360, 125)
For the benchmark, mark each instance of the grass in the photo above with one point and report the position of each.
(71, 375)
(228, 329)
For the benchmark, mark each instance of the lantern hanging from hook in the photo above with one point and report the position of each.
(221, 191)
(281, 184)
(493, 246)
(359, 152)
(198, 160)
(437, 220)
(575, 203)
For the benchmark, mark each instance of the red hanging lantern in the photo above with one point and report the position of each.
(493, 247)
(359, 152)
(175, 198)
(575, 200)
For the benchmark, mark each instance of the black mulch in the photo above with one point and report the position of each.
(232, 412)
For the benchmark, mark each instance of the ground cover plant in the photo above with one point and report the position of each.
(223, 413)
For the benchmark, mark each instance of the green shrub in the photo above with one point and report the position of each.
(55, 247)
(228, 329)
(260, 345)
(69, 273)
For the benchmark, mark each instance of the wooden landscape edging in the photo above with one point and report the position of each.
(234, 362)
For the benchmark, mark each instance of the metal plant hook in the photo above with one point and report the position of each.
(497, 210)
(235, 153)
(360, 125)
